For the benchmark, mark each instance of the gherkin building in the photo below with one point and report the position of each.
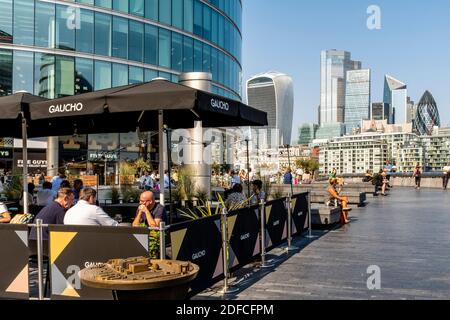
(427, 116)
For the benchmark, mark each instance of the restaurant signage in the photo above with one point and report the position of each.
(68, 107)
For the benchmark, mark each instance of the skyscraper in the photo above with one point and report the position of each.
(411, 110)
(427, 116)
(273, 92)
(333, 67)
(357, 98)
(395, 99)
(307, 133)
(380, 111)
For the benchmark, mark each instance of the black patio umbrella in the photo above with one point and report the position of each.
(145, 107)
(124, 109)
(13, 123)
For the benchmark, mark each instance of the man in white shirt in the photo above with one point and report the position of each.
(86, 213)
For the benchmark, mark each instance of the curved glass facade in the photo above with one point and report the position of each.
(427, 116)
(57, 48)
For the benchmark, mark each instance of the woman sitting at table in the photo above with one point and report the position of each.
(342, 201)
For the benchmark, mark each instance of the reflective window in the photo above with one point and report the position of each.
(120, 5)
(164, 48)
(198, 18)
(215, 27)
(136, 75)
(91, 2)
(102, 71)
(44, 18)
(65, 76)
(84, 75)
(207, 22)
(221, 31)
(220, 60)
(165, 11)
(103, 27)
(198, 56)
(188, 54)
(104, 3)
(136, 41)
(44, 75)
(151, 45)
(137, 7)
(120, 38)
(85, 35)
(165, 75)
(6, 20)
(214, 64)
(206, 58)
(150, 74)
(188, 15)
(177, 13)
(151, 9)
(23, 71)
(119, 75)
(6, 64)
(177, 51)
(23, 22)
(65, 28)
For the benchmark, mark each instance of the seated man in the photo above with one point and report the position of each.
(86, 213)
(342, 201)
(258, 194)
(149, 213)
(5, 216)
(46, 195)
(380, 182)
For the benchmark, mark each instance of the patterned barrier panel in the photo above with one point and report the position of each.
(73, 248)
(243, 236)
(200, 242)
(276, 223)
(300, 213)
(14, 254)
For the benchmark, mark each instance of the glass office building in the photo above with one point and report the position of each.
(357, 99)
(427, 117)
(334, 65)
(395, 99)
(60, 48)
(57, 48)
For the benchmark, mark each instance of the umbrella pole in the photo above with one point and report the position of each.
(161, 156)
(25, 164)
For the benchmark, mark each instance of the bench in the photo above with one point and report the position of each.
(323, 216)
(354, 197)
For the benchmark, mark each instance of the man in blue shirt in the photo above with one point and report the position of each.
(56, 181)
(287, 179)
(54, 212)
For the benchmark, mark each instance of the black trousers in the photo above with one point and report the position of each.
(418, 181)
(445, 180)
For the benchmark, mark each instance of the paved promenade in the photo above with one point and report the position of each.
(406, 234)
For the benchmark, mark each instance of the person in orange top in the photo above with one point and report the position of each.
(343, 201)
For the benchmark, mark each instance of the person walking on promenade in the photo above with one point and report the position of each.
(446, 176)
(417, 175)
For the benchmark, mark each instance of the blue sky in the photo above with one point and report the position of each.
(413, 45)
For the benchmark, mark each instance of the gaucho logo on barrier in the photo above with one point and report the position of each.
(218, 104)
(68, 107)
(198, 255)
